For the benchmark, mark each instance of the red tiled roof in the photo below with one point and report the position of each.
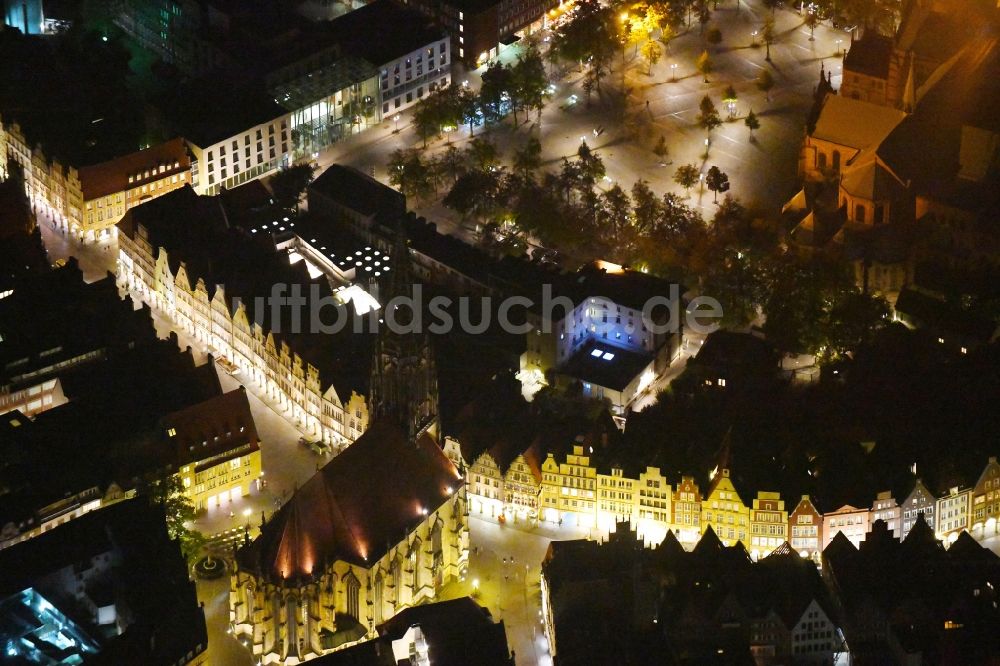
(217, 425)
(354, 509)
(109, 177)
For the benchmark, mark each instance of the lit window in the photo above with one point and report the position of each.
(596, 353)
(608, 356)
(171, 432)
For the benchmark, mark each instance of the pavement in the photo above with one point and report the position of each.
(761, 172)
(504, 571)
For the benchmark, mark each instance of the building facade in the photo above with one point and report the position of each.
(111, 188)
(272, 366)
(333, 564)
(886, 509)
(953, 512)
(986, 500)
(724, 511)
(47, 181)
(806, 527)
(768, 524)
(919, 501)
(850, 520)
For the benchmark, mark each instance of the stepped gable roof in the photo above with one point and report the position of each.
(356, 507)
(840, 548)
(854, 123)
(670, 548)
(920, 538)
(968, 550)
(708, 544)
(870, 55)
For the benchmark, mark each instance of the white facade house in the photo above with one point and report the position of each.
(249, 154)
(407, 79)
(954, 512)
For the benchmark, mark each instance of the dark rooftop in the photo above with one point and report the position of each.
(604, 364)
(382, 31)
(33, 323)
(355, 507)
(869, 55)
(221, 112)
(156, 602)
(350, 188)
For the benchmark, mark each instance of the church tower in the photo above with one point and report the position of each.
(403, 387)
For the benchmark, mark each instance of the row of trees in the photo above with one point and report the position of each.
(505, 89)
(810, 305)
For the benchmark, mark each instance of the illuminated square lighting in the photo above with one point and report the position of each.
(608, 356)
(596, 353)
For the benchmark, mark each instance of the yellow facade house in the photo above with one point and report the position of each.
(217, 449)
(569, 489)
(724, 511)
(768, 524)
(111, 188)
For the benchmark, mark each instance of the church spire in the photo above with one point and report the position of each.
(403, 386)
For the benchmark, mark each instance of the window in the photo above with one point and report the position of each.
(353, 588)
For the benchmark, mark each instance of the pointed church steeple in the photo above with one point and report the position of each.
(403, 387)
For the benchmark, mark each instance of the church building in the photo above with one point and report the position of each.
(382, 527)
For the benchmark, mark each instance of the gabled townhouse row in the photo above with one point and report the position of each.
(572, 488)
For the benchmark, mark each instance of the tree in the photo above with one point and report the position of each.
(686, 176)
(652, 52)
(854, 320)
(752, 123)
(289, 184)
(427, 118)
(469, 109)
(765, 81)
(475, 194)
(811, 22)
(529, 158)
(768, 36)
(646, 208)
(497, 83)
(661, 149)
(410, 173)
(704, 65)
(590, 38)
(704, 15)
(452, 163)
(802, 292)
(167, 493)
(483, 153)
(708, 118)
(590, 164)
(729, 98)
(717, 181)
(530, 81)
(772, 5)
(714, 36)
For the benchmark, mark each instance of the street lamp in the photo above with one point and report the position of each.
(839, 42)
(673, 71)
(753, 36)
(396, 120)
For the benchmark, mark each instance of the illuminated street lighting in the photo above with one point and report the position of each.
(673, 71)
(396, 120)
